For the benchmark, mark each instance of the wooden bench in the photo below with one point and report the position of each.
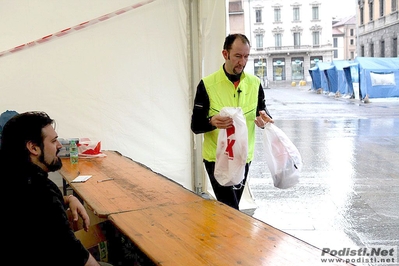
(208, 232)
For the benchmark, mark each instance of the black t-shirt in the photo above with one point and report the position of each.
(35, 225)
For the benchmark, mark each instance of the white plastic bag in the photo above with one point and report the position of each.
(90, 148)
(282, 157)
(232, 149)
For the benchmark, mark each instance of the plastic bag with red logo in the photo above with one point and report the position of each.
(232, 149)
(89, 148)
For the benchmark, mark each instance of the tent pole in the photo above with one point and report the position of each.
(195, 69)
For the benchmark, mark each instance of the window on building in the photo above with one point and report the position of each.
(382, 3)
(371, 13)
(351, 32)
(279, 69)
(297, 40)
(315, 12)
(297, 68)
(362, 51)
(371, 49)
(335, 42)
(296, 14)
(352, 55)
(277, 15)
(395, 47)
(259, 41)
(382, 48)
(314, 60)
(278, 41)
(352, 42)
(258, 14)
(335, 53)
(394, 5)
(316, 38)
(260, 68)
(361, 16)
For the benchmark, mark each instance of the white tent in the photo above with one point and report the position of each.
(123, 72)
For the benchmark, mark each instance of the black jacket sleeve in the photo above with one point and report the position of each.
(262, 102)
(200, 116)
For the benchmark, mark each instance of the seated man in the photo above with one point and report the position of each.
(34, 221)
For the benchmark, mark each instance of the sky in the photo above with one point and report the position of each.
(342, 8)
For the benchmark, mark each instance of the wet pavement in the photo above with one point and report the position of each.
(348, 195)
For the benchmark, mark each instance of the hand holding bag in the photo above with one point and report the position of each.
(232, 149)
(282, 157)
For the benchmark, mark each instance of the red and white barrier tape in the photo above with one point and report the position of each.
(77, 27)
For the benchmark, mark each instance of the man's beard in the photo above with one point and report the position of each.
(55, 165)
(238, 72)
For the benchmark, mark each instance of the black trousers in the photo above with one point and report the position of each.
(230, 195)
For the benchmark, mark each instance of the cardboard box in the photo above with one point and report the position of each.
(95, 241)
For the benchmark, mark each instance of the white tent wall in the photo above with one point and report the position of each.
(127, 81)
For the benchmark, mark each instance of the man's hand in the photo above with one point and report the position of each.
(221, 122)
(77, 209)
(262, 119)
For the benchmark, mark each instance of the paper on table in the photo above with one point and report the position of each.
(81, 178)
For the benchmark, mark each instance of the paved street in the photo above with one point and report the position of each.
(348, 195)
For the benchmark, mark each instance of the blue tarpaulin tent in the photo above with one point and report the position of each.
(315, 75)
(351, 76)
(327, 76)
(378, 77)
(323, 76)
(342, 84)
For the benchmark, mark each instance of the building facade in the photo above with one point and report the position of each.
(344, 38)
(287, 37)
(378, 27)
(236, 16)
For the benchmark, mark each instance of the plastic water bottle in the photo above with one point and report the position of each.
(73, 152)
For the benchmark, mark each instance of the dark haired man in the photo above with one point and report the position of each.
(230, 86)
(35, 225)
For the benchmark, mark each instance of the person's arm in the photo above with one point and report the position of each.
(58, 237)
(200, 120)
(77, 209)
(262, 102)
(264, 115)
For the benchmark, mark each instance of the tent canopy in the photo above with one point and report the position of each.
(341, 84)
(123, 72)
(378, 77)
(328, 78)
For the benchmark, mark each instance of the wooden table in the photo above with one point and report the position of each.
(208, 232)
(174, 226)
(134, 186)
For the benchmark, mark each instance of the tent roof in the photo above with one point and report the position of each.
(340, 64)
(378, 62)
(325, 65)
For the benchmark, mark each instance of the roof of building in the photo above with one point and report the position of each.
(336, 31)
(351, 20)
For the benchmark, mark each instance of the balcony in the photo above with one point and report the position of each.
(294, 49)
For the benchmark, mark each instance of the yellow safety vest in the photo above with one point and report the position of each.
(222, 93)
